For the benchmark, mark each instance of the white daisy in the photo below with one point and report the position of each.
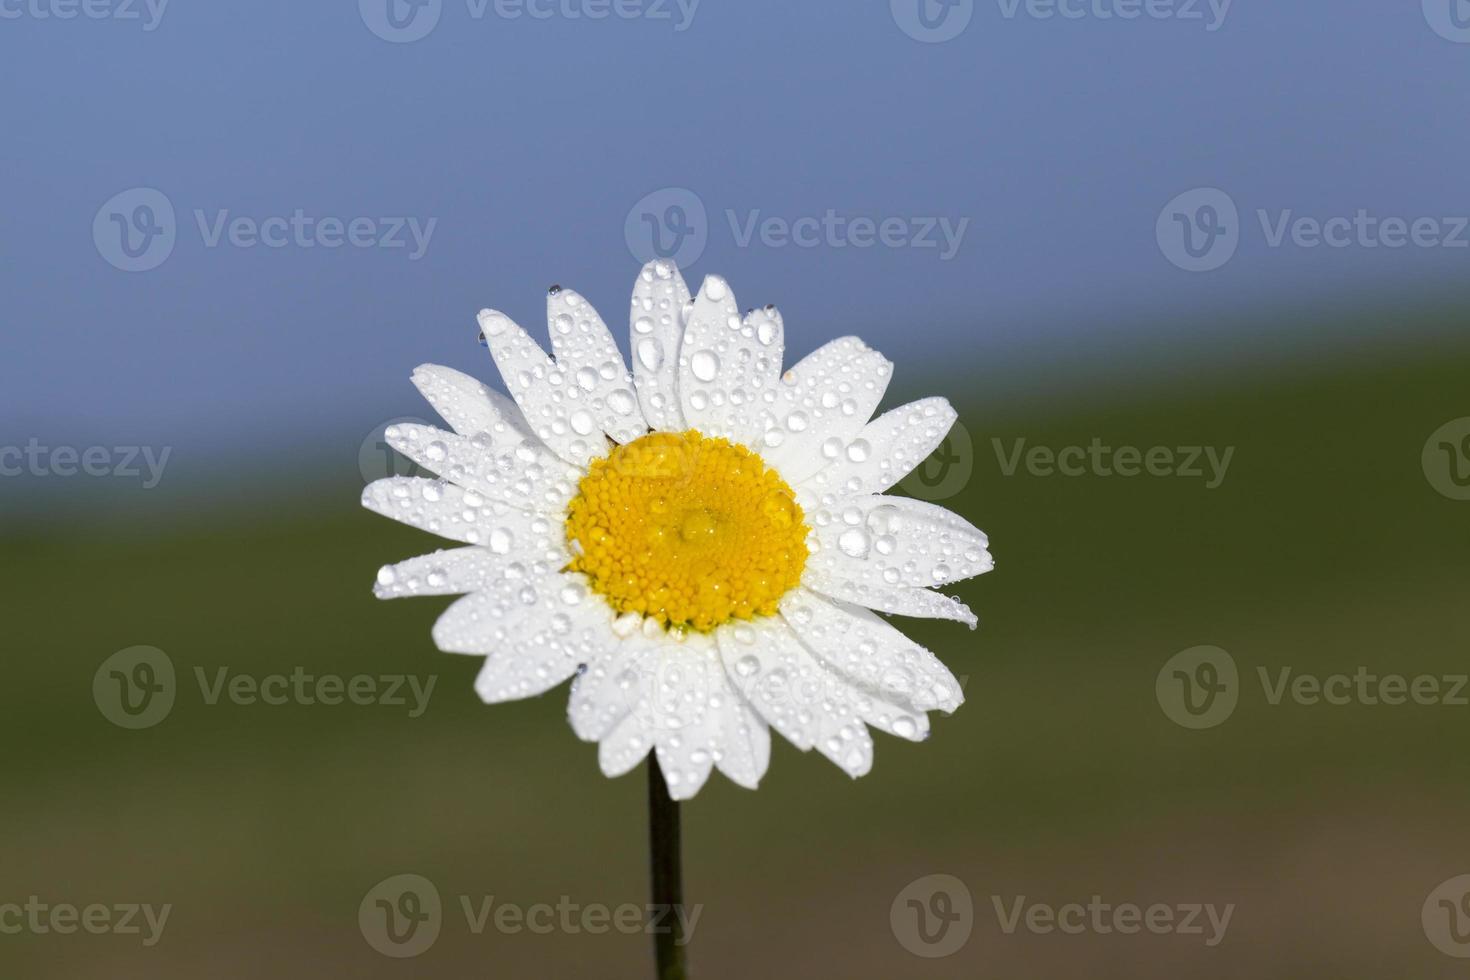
(701, 542)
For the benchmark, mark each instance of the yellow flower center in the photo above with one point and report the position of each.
(688, 530)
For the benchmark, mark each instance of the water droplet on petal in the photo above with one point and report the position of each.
(705, 365)
(650, 353)
(854, 543)
(582, 422)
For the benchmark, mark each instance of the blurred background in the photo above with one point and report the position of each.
(1193, 273)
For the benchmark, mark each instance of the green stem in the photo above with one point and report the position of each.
(668, 877)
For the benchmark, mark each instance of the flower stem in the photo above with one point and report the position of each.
(668, 877)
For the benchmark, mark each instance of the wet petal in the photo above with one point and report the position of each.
(884, 452)
(657, 325)
(587, 355)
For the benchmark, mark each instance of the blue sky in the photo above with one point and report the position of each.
(987, 199)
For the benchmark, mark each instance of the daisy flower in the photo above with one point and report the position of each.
(703, 544)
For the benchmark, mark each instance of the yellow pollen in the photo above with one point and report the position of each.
(689, 530)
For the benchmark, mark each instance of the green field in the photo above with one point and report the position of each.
(1324, 549)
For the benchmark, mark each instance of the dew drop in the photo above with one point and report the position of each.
(582, 422)
(620, 401)
(650, 353)
(854, 543)
(705, 364)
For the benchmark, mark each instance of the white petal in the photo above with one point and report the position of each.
(869, 652)
(886, 553)
(805, 701)
(548, 396)
(610, 687)
(776, 675)
(657, 324)
(626, 746)
(686, 696)
(727, 364)
(469, 406)
(460, 515)
(453, 572)
(899, 600)
(521, 474)
(830, 394)
(884, 452)
(745, 743)
(589, 357)
(535, 633)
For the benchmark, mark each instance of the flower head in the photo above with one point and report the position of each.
(702, 542)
